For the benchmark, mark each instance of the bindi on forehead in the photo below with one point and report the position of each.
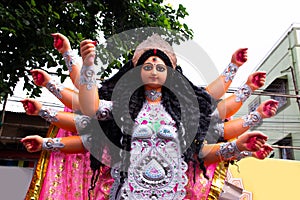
(154, 59)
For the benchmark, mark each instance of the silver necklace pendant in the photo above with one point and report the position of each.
(152, 94)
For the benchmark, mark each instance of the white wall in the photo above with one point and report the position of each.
(14, 182)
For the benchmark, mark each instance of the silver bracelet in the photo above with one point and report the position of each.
(52, 144)
(70, 58)
(48, 114)
(81, 122)
(55, 88)
(243, 93)
(228, 151)
(220, 129)
(88, 76)
(230, 72)
(244, 154)
(104, 110)
(252, 119)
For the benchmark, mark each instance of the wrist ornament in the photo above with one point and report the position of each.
(243, 93)
(52, 144)
(81, 122)
(104, 110)
(228, 151)
(230, 72)
(244, 154)
(252, 119)
(48, 114)
(55, 88)
(88, 76)
(70, 58)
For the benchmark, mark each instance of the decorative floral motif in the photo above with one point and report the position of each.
(157, 170)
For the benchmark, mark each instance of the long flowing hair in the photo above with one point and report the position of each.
(119, 128)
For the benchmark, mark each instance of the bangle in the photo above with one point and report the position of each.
(55, 88)
(230, 72)
(81, 122)
(104, 110)
(88, 76)
(52, 144)
(252, 119)
(228, 151)
(70, 58)
(244, 154)
(243, 93)
(48, 114)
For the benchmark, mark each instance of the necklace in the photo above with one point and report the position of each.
(152, 94)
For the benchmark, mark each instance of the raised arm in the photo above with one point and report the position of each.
(88, 90)
(67, 96)
(219, 86)
(230, 105)
(62, 44)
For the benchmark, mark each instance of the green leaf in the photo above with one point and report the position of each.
(33, 3)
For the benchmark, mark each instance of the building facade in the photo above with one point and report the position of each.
(282, 65)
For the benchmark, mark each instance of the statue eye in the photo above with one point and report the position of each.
(161, 68)
(147, 66)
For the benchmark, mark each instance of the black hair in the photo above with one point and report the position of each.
(121, 135)
(154, 52)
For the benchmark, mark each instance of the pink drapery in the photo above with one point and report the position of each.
(68, 176)
(199, 189)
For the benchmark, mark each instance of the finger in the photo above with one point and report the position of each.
(33, 72)
(260, 155)
(40, 78)
(260, 73)
(95, 42)
(274, 103)
(257, 134)
(58, 41)
(23, 102)
(257, 81)
(260, 141)
(88, 47)
(270, 107)
(242, 55)
(30, 107)
(84, 43)
(29, 138)
(251, 143)
(268, 147)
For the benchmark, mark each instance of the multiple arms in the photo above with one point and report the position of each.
(87, 101)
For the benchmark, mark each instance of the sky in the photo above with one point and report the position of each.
(221, 27)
